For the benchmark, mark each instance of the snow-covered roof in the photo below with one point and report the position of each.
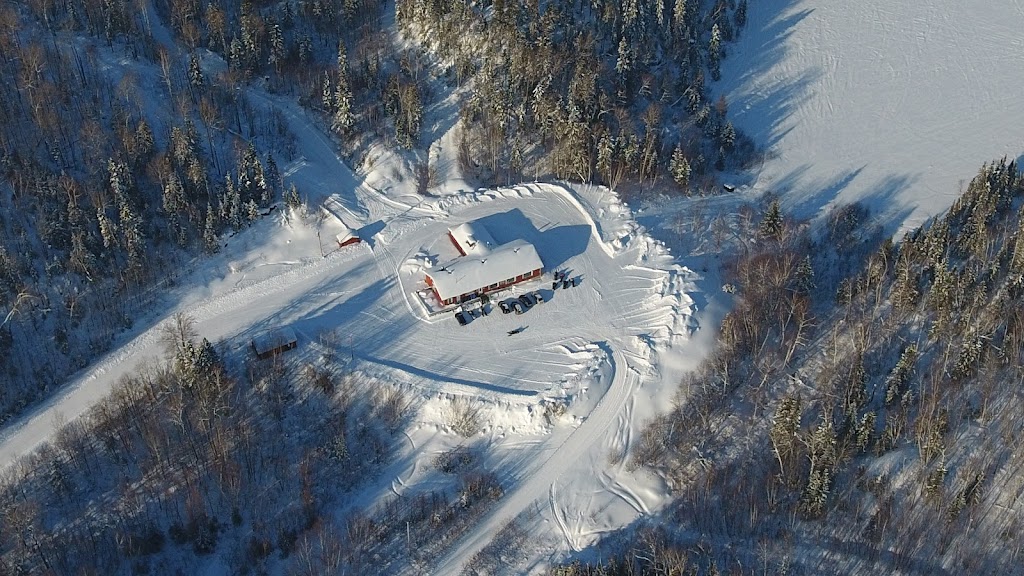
(469, 273)
(473, 237)
(346, 234)
(273, 340)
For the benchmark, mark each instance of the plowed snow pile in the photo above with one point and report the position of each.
(893, 103)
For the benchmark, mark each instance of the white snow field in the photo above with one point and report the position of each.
(892, 103)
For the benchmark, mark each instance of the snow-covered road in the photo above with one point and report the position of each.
(540, 479)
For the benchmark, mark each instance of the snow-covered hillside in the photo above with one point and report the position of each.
(894, 104)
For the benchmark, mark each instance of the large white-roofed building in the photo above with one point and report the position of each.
(485, 266)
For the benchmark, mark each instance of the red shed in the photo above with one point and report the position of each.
(346, 237)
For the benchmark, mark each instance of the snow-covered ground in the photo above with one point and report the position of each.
(893, 103)
(560, 400)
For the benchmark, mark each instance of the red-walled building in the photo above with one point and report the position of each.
(485, 266)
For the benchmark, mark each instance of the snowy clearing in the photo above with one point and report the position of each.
(893, 104)
(561, 389)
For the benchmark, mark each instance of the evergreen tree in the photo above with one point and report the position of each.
(728, 136)
(196, 78)
(210, 242)
(287, 16)
(631, 150)
(252, 211)
(342, 121)
(864, 431)
(805, 276)
(252, 184)
(194, 363)
(131, 231)
(273, 180)
(129, 221)
(236, 55)
(940, 295)
(605, 155)
(785, 430)
(120, 180)
(679, 167)
(856, 390)
(680, 20)
(8, 273)
(276, 48)
(143, 144)
(327, 94)
(231, 204)
(772, 225)
(715, 53)
(251, 24)
(898, 379)
(173, 204)
(624, 62)
(108, 230)
(971, 350)
(905, 294)
(821, 453)
(1017, 259)
(291, 198)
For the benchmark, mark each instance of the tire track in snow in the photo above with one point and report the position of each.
(625, 493)
(538, 482)
(557, 515)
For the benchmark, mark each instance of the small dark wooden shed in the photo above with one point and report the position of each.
(274, 342)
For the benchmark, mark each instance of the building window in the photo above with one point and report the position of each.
(511, 280)
(493, 286)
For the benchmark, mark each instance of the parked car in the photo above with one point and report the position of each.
(537, 296)
(461, 317)
(527, 301)
(504, 307)
(517, 306)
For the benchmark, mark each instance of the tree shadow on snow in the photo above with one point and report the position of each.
(760, 107)
(814, 554)
(441, 378)
(337, 312)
